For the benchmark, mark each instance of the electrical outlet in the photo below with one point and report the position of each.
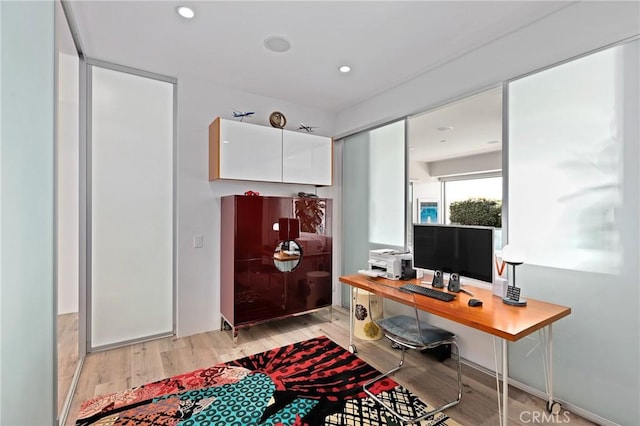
(198, 241)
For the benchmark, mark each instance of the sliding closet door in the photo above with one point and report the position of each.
(131, 207)
(373, 196)
(573, 207)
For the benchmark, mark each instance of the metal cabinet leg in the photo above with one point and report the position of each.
(225, 325)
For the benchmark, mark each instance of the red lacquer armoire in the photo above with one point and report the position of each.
(275, 258)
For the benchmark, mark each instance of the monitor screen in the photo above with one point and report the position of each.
(465, 250)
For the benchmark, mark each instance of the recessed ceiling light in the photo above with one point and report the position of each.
(277, 44)
(445, 128)
(185, 12)
(345, 68)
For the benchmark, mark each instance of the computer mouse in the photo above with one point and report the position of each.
(475, 302)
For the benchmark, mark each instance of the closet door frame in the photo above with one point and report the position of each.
(86, 202)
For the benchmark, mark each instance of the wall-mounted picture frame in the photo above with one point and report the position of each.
(428, 211)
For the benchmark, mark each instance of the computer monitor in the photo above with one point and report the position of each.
(464, 250)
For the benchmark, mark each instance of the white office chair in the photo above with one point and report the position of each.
(409, 332)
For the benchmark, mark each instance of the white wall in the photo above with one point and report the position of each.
(418, 170)
(27, 333)
(480, 163)
(199, 102)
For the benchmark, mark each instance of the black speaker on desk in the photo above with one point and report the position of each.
(437, 281)
(406, 271)
(454, 283)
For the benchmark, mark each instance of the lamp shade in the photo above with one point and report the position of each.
(289, 229)
(513, 254)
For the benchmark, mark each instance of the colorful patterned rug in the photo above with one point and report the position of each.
(310, 383)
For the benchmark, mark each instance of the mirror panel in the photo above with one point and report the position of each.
(67, 205)
(455, 155)
(287, 256)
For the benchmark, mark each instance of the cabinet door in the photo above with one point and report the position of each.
(259, 288)
(306, 158)
(250, 152)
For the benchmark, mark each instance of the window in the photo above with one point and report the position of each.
(461, 190)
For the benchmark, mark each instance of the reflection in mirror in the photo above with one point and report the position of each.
(455, 155)
(67, 208)
(287, 256)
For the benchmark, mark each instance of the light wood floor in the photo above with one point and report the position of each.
(67, 353)
(122, 368)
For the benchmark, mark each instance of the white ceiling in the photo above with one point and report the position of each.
(475, 122)
(385, 42)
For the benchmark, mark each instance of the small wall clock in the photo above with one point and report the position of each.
(277, 119)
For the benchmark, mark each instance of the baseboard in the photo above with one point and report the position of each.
(543, 395)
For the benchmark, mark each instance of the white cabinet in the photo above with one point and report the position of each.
(245, 151)
(306, 158)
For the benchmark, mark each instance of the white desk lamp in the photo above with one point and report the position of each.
(513, 255)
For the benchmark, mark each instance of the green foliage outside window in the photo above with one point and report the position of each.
(476, 211)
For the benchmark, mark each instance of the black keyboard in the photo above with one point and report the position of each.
(429, 292)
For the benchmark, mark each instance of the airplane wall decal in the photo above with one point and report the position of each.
(242, 114)
(309, 129)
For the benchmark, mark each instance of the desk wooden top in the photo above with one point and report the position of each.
(493, 317)
(282, 256)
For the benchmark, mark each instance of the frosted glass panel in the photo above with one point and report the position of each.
(27, 341)
(386, 191)
(574, 205)
(131, 207)
(355, 192)
(566, 160)
(373, 186)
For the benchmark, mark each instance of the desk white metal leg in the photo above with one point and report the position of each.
(546, 338)
(352, 348)
(505, 382)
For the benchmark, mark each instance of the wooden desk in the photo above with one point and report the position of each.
(494, 317)
(284, 257)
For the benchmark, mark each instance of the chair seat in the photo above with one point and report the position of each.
(406, 328)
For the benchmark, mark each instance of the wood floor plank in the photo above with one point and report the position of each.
(424, 375)
(67, 336)
(111, 387)
(146, 363)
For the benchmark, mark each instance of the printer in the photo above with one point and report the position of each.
(391, 264)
